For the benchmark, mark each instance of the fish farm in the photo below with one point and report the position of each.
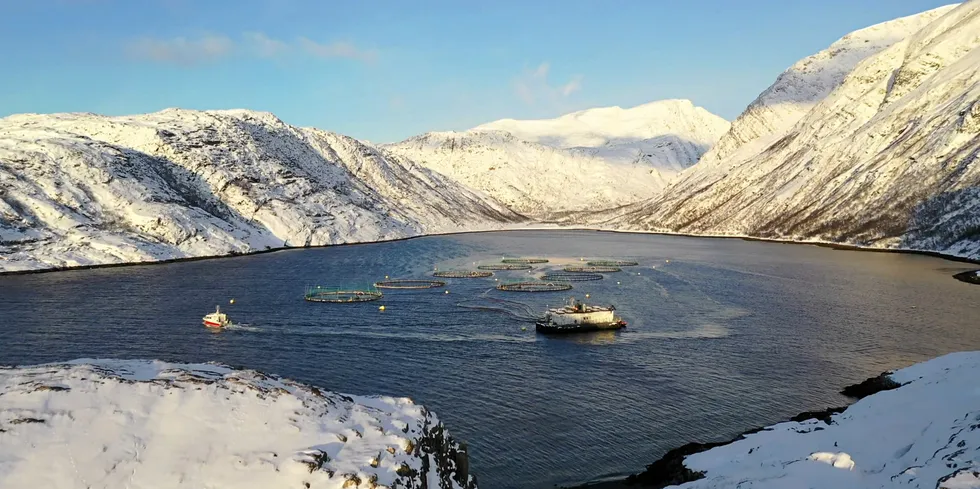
(571, 277)
(462, 274)
(409, 284)
(534, 287)
(524, 261)
(506, 266)
(593, 269)
(612, 263)
(341, 295)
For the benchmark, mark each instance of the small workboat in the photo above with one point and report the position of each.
(577, 317)
(217, 319)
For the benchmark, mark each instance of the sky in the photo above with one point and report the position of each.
(385, 70)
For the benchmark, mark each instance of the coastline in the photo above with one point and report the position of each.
(538, 227)
(669, 469)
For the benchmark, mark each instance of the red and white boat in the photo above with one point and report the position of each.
(217, 319)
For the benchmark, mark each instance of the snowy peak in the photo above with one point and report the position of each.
(806, 83)
(887, 159)
(583, 161)
(604, 126)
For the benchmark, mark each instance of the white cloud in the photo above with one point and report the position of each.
(532, 86)
(186, 51)
(338, 50)
(181, 50)
(265, 46)
(571, 87)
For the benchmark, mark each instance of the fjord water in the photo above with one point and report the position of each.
(724, 335)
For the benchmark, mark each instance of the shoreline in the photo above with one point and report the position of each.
(669, 469)
(963, 276)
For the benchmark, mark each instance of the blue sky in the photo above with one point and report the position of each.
(385, 70)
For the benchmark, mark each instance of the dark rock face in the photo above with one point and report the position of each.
(871, 386)
(972, 277)
(439, 450)
(670, 469)
(824, 415)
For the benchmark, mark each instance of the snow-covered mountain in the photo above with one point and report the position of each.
(922, 435)
(137, 423)
(805, 84)
(889, 158)
(79, 189)
(587, 160)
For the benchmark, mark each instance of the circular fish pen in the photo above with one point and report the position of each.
(571, 277)
(612, 263)
(462, 274)
(524, 261)
(534, 287)
(505, 266)
(593, 269)
(340, 295)
(409, 284)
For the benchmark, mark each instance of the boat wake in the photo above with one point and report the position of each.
(519, 310)
(241, 327)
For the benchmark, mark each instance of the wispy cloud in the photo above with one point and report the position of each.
(181, 50)
(533, 87)
(193, 51)
(338, 50)
(264, 46)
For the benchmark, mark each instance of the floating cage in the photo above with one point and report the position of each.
(409, 284)
(341, 295)
(462, 274)
(524, 261)
(612, 263)
(534, 287)
(593, 269)
(571, 277)
(506, 266)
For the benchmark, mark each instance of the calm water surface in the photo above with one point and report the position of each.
(726, 336)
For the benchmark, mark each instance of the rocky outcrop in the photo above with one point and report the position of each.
(150, 423)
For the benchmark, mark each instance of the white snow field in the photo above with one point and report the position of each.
(155, 425)
(924, 434)
(81, 189)
(584, 161)
(885, 157)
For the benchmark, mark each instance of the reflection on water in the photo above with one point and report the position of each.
(723, 335)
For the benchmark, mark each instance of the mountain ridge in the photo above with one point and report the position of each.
(878, 162)
(607, 157)
(85, 189)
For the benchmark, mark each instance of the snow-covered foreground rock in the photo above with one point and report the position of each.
(150, 424)
(886, 157)
(583, 161)
(82, 189)
(924, 434)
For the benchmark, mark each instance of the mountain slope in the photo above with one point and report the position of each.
(888, 159)
(586, 160)
(83, 189)
(805, 84)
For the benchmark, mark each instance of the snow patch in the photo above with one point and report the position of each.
(924, 434)
(134, 423)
